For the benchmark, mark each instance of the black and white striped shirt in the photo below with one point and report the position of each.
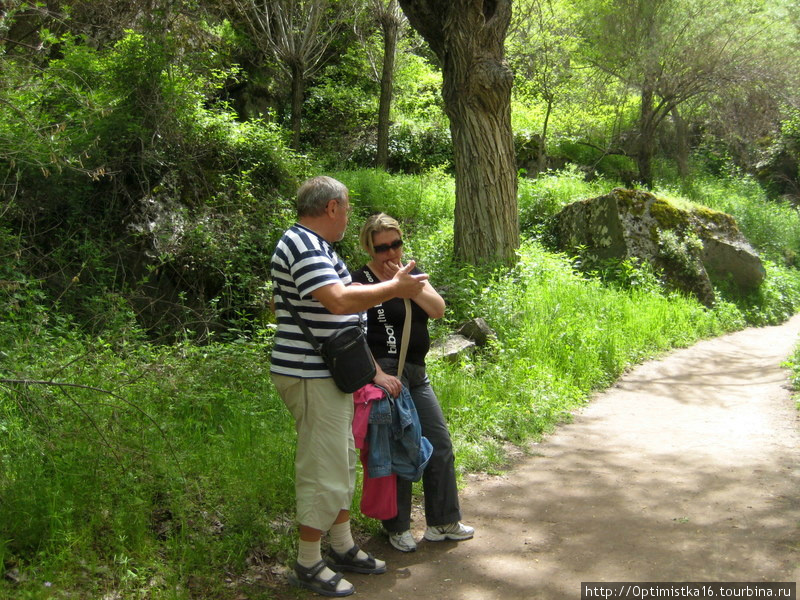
(302, 263)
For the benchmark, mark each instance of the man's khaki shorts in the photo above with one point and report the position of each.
(325, 464)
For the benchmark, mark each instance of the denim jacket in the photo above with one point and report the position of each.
(396, 443)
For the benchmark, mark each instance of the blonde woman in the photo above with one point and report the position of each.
(382, 238)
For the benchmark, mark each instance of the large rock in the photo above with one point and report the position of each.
(451, 347)
(472, 334)
(478, 331)
(689, 246)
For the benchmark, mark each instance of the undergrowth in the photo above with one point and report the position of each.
(136, 470)
(793, 364)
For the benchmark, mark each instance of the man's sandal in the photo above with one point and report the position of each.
(307, 577)
(349, 561)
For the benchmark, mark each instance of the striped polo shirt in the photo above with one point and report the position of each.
(302, 263)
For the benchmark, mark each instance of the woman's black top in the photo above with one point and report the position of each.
(385, 325)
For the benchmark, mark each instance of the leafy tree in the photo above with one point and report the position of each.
(670, 52)
(119, 173)
(542, 40)
(298, 34)
(468, 38)
(749, 119)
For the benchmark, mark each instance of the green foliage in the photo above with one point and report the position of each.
(625, 274)
(342, 103)
(164, 448)
(160, 471)
(543, 197)
(779, 168)
(770, 226)
(793, 364)
(412, 149)
(425, 199)
(681, 249)
(594, 159)
(418, 84)
(773, 302)
(120, 149)
(342, 110)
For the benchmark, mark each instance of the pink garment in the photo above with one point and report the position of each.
(378, 494)
(362, 398)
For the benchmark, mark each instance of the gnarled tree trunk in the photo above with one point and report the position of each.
(468, 37)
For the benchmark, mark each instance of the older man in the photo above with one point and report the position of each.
(308, 273)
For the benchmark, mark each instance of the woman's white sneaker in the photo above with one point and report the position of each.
(452, 531)
(403, 541)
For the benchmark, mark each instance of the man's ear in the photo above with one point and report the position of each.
(331, 207)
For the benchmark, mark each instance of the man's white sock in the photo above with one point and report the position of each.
(342, 540)
(308, 555)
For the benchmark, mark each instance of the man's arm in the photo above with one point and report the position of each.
(346, 300)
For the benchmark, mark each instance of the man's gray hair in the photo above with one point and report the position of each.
(314, 195)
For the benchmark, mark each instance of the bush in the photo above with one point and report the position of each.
(770, 226)
(543, 197)
(149, 193)
(793, 363)
(412, 150)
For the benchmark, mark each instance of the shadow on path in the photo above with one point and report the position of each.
(685, 470)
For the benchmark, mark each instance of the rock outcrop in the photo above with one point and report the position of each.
(689, 246)
(472, 334)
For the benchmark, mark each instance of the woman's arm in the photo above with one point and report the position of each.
(430, 301)
(428, 298)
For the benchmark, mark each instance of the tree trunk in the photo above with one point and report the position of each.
(647, 123)
(681, 144)
(390, 28)
(486, 216)
(542, 158)
(298, 89)
(468, 37)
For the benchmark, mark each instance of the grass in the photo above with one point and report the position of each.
(166, 472)
(770, 225)
(793, 364)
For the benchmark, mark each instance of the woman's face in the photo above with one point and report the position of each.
(387, 246)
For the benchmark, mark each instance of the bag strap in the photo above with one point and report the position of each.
(401, 364)
(300, 323)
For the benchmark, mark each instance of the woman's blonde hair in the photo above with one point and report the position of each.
(375, 224)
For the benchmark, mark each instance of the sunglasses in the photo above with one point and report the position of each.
(380, 248)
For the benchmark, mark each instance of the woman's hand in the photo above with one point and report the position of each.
(388, 382)
(389, 268)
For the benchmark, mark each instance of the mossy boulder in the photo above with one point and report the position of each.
(690, 247)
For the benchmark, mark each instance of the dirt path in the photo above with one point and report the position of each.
(686, 470)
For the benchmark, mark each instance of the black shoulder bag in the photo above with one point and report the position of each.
(345, 353)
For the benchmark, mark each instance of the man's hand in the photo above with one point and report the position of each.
(409, 285)
(341, 300)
